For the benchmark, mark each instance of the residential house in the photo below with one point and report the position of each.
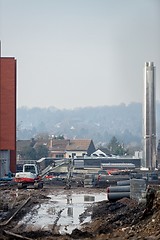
(80, 148)
(60, 148)
(66, 148)
(57, 148)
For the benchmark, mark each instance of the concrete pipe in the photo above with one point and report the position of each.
(118, 189)
(123, 183)
(117, 195)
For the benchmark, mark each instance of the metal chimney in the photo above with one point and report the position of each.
(149, 114)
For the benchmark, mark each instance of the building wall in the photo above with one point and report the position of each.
(75, 153)
(56, 154)
(8, 108)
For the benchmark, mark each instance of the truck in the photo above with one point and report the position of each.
(29, 176)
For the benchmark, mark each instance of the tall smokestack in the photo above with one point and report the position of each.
(149, 123)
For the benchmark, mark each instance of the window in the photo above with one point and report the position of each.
(30, 169)
(73, 155)
(59, 155)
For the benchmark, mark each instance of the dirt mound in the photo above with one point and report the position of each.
(76, 234)
(108, 216)
(122, 219)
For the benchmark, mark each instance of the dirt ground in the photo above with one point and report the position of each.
(118, 220)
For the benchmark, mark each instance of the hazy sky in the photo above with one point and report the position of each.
(77, 53)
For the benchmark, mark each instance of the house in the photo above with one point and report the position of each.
(65, 148)
(80, 148)
(98, 153)
(57, 148)
(105, 150)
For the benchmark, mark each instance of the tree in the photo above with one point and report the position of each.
(42, 136)
(113, 144)
(115, 147)
(41, 151)
(31, 153)
(28, 153)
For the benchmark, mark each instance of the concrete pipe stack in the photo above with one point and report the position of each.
(120, 191)
(133, 188)
(124, 183)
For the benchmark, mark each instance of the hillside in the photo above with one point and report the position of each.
(97, 123)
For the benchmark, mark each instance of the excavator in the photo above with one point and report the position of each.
(31, 176)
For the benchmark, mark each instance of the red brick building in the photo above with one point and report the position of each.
(7, 115)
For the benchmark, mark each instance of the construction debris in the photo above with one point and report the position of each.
(121, 219)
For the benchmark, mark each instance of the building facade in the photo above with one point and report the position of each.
(7, 115)
(149, 121)
(66, 148)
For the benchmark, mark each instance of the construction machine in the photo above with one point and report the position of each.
(69, 174)
(31, 176)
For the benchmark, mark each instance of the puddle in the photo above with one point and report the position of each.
(62, 211)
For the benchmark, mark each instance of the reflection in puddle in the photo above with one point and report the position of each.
(62, 211)
(89, 198)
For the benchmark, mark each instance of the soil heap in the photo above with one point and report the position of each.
(122, 219)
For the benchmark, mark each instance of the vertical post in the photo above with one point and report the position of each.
(149, 121)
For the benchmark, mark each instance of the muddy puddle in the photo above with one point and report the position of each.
(61, 211)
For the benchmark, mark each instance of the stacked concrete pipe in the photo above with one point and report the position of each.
(117, 192)
(124, 183)
(133, 188)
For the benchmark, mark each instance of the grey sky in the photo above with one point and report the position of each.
(77, 53)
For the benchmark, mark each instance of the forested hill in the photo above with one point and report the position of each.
(97, 123)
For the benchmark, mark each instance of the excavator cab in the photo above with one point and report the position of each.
(30, 168)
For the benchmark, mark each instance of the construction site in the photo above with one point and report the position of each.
(63, 201)
(66, 203)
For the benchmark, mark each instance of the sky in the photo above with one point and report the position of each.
(80, 53)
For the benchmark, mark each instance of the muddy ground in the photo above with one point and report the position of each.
(122, 219)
